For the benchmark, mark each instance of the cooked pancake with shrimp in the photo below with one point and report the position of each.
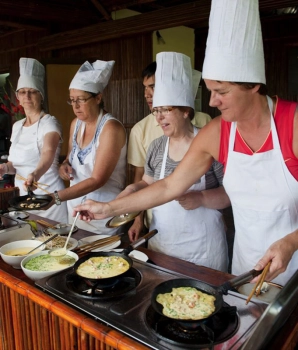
(186, 303)
(103, 267)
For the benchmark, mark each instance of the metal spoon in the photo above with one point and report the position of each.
(57, 252)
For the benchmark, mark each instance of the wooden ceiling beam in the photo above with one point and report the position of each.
(20, 25)
(101, 9)
(186, 14)
(160, 19)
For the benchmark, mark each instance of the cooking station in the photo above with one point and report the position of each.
(63, 312)
(126, 306)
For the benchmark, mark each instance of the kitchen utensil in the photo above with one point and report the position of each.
(102, 242)
(258, 286)
(35, 183)
(274, 317)
(18, 247)
(217, 292)
(46, 241)
(23, 202)
(124, 254)
(58, 252)
(61, 229)
(268, 293)
(122, 219)
(45, 223)
(62, 264)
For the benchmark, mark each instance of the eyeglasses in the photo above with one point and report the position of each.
(163, 110)
(79, 101)
(22, 93)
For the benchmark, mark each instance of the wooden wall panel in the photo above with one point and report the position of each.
(124, 94)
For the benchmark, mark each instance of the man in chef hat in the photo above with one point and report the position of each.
(32, 75)
(259, 152)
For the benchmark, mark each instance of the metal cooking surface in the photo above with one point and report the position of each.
(128, 313)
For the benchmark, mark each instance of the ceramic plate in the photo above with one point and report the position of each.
(136, 254)
(61, 229)
(95, 238)
(19, 215)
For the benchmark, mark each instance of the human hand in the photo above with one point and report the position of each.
(65, 171)
(136, 228)
(190, 200)
(128, 190)
(280, 254)
(92, 210)
(3, 170)
(29, 183)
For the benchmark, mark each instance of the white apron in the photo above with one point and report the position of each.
(108, 191)
(264, 197)
(24, 154)
(195, 235)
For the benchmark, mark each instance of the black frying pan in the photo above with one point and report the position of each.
(123, 254)
(217, 292)
(30, 198)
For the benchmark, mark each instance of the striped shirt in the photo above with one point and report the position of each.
(154, 158)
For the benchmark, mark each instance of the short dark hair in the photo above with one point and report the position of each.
(101, 104)
(149, 71)
(191, 111)
(262, 90)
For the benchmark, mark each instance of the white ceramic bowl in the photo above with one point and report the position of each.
(15, 261)
(37, 275)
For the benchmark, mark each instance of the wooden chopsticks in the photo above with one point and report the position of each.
(35, 183)
(45, 223)
(100, 243)
(258, 286)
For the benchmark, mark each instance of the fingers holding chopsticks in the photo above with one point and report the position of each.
(258, 286)
(30, 182)
(280, 254)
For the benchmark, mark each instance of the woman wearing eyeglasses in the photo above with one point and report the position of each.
(96, 161)
(35, 140)
(190, 227)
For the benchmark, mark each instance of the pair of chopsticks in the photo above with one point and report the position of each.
(45, 223)
(100, 243)
(258, 286)
(35, 183)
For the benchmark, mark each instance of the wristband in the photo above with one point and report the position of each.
(57, 199)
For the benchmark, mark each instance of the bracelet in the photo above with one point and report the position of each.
(57, 199)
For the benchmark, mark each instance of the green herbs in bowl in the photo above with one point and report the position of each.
(42, 264)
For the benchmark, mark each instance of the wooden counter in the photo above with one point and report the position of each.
(33, 320)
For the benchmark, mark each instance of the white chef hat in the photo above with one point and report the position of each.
(32, 75)
(173, 80)
(93, 77)
(234, 46)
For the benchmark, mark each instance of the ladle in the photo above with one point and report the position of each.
(58, 252)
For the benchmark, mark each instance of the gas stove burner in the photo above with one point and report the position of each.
(203, 334)
(99, 291)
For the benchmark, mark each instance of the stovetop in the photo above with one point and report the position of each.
(127, 313)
